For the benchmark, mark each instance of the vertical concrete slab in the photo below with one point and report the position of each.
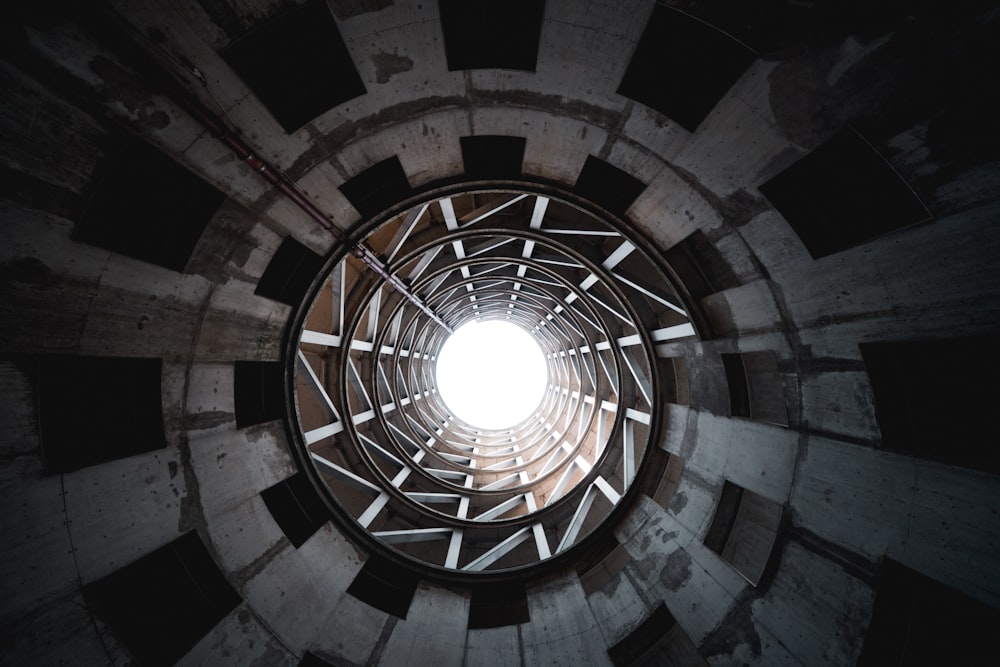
(121, 510)
(240, 325)
(954, 534)
(839, 404)
(231, 466)
(562, 630)
(37, 553)
(495, 646)
(854, 496)
(209, 404)
(353, 631)
(746, 309)
(301, 591)
(60, 633)
(670, 564)
(817, 611)
(433, 632)
(757, 456)
(245, 538)
(618, 608)
(239, 639)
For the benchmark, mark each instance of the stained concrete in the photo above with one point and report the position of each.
(936, 280)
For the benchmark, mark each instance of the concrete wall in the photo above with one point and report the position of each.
(845, 502)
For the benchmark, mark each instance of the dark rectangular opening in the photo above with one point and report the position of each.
(699, 266)
(935, 398)
(377, 188)
(497, 605)
(767, 387)
(258, 388)
(146, 206)
(598, 548)
(725, 517)
(296, 507)
(385, 585)
(682, 67)
(646, 636)
(739, 390)
(599, 571)
(310, 659)
(843, 194)
(289, 273)
(97, 409)
(743, 530)
(607, 185)
(502, 34)
(161, 605)
(493, 156)
(919, 621)
(297, 65)
(666, 485)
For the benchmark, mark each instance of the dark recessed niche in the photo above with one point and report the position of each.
(756, 389)
(497, 605)
(638, 642)
(297, 65)
(935, 398)
(667, 483)
(739, 390)
(493, 156)
(843, 194)
(919, 621)
(613, 559)
(296, 508)
(501, 34)
(744, 529)
(161, 605)
(777, 28)
(97, 409)
(607, 185)
(378, 187)
(725, 517)
(385, 586)
(682, 67)
(146, 206)
(699, 267)
(310, 659)
(289, 273)
(258, 388)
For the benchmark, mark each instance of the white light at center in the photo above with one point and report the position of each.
(491, 374)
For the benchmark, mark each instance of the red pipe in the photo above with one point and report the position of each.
(221, 132)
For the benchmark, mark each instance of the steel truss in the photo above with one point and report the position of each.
(393, 455)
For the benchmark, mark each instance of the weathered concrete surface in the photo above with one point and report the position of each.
(934, 518)
(562, 630)
(123, 509)
(239, 639)
(433, 631)
(59, 296)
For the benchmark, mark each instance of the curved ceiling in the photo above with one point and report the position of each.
(817, 186)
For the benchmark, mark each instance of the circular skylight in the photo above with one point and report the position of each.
(475, 380)
(491, 374)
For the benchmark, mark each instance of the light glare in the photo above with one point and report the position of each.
(491, 374)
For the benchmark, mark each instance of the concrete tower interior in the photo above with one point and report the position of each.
(758, 244)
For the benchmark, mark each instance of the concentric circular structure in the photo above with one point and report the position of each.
(393, 455)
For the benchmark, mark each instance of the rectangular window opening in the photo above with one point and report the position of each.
(309, 74)
(842, 195)
(743, 530)
(296, 508)
(162, 604)
(98, 409)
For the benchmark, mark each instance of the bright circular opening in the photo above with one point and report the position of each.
(491, 374)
